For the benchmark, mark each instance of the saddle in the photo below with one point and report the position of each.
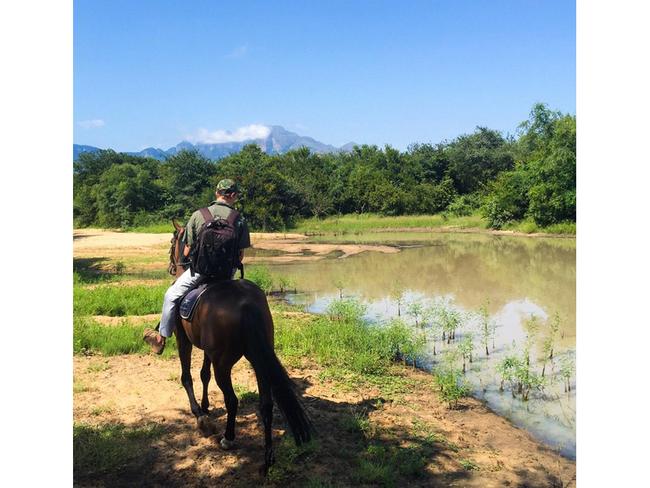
(191, 298)
(189, 301)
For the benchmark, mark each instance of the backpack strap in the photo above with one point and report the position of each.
(232, 218)
(207, 216)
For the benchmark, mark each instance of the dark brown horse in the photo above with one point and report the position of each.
(231, 320)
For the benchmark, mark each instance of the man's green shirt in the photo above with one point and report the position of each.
(221, 210)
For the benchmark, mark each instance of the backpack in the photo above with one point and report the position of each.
(215, 252)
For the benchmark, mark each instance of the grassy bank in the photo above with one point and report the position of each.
(359, 223)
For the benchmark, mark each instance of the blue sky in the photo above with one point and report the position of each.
(152, 73)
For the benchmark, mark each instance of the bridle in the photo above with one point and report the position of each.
(174, 252)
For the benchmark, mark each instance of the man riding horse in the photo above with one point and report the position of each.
(226, 194)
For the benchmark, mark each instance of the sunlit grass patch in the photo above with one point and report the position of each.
(80, 387)
(98, 367)
(355, 223)
(110, 448)
(342, 342)
(161, 227)
(469, 465)
(116, 300)
(91, 337)
(246, 396)
(528, 226)
(101, 410)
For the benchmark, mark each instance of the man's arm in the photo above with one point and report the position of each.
(190, 233)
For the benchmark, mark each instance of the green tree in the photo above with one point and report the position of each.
(188, 183)
(477, 158)
(553, 193)
(122, 192)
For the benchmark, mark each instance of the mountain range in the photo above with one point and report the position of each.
(278, 141)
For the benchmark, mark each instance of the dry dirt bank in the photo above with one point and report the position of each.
(109, 244)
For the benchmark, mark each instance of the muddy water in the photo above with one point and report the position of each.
(519, 276)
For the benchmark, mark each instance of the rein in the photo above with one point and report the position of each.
(174, 252)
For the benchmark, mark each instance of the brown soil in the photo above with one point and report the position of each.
(139, 390)
(130, 319)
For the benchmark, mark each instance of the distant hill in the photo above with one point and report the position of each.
(279, 141)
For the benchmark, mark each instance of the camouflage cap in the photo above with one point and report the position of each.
(227, 186)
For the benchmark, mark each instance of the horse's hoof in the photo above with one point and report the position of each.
(226, 445)
(205, 426)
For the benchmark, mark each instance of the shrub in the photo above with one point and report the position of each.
(346, 310)
(261, 276)
(465, 205)
(452, 386)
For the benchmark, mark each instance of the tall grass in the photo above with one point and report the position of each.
(162, 227)
(528, 226)
(118, 300)
(346, 343)
(369, 222)
(91, 337)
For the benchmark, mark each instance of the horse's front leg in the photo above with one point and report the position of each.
(185, 355)
(205, 379)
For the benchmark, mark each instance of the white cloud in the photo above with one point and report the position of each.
(92, 124)
(238, 52)
(253, 131)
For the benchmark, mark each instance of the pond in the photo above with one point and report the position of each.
(525, 284)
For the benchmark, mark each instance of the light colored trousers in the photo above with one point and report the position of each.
(181, 286)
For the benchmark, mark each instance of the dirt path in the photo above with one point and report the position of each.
(472, 446)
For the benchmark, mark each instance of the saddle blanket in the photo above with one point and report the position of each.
(189, 301)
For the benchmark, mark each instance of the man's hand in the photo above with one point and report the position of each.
(186, 251)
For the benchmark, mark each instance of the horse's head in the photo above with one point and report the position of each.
(175, 266)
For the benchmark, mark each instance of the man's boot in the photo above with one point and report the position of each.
(155, 340)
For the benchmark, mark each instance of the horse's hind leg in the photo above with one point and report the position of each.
(185, 355)
(205, 379)
(222, 374)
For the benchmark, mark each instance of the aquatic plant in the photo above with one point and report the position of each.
(451, 321)
(486, 328)
(415, 310)
(516, 371)
(404, 342)
(285, 283)
(346, 310)
(397, 294)
(449, 379)
(549, 342)
(531, 326)
(566, 371)
(339, 286)
(466, 347)
(506, 370)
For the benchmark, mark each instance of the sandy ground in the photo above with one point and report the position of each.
(95, 242)
(139, 390)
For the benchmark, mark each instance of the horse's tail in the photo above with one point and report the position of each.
(260, 353)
